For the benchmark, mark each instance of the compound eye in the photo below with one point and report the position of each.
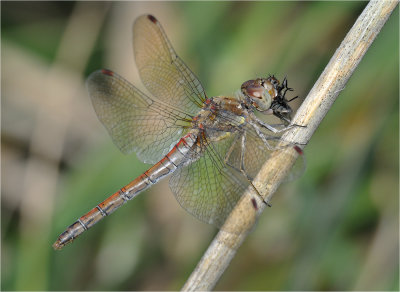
(255, 91)
(259, 93)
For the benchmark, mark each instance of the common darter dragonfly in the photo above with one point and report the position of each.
(211, 147)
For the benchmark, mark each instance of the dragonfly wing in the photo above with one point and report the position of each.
(163, 73)
(208, 188)
(135, 121)
(254, 152)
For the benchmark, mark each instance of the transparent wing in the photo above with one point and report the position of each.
(163, 73)
(135, 121)
(208, 188)
(251, 154)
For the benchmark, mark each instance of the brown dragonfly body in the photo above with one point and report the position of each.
(213, 147)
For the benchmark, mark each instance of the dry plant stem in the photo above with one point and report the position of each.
(314, 108)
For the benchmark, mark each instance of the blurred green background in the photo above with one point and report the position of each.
(335, 228)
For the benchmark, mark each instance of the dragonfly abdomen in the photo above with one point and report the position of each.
(176, 157)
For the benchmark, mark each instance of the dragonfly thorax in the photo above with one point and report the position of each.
(220, 112)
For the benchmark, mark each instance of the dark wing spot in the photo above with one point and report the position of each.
(298, 149)
(107, 72)
(254, 202)
(152, 18)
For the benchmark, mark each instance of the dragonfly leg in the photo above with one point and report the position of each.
(241, 167)
(263, 138)
(275, 130)
(243, 171)
(229, 152)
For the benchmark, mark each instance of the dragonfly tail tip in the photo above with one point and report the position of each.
(57, 245)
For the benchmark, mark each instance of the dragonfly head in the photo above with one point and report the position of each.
(260, 93)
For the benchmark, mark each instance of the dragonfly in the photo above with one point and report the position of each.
(211, 147)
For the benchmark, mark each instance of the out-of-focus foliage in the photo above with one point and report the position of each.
(336, 228)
